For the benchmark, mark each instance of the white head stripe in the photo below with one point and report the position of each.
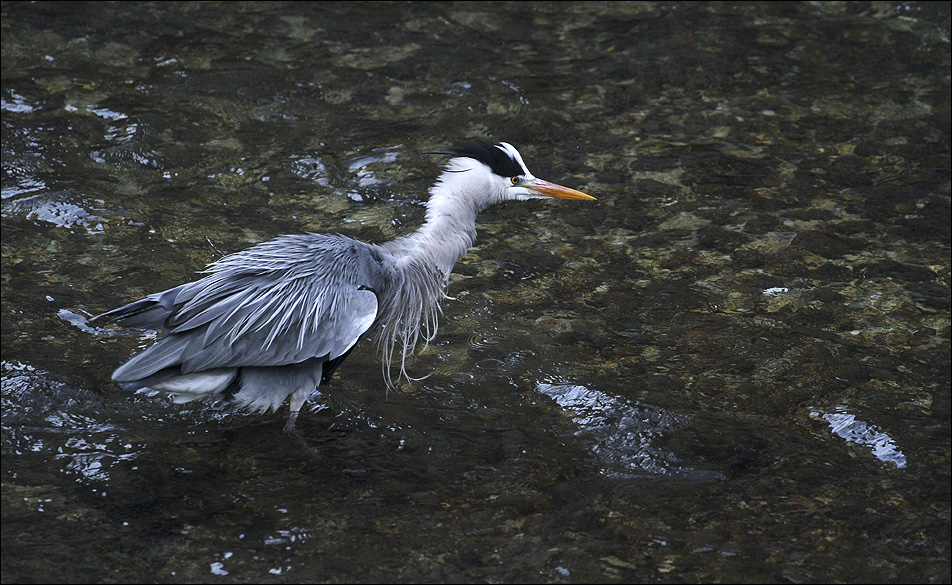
(514, 154)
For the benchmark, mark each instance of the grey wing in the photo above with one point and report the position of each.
(151, 312)
(272, 316)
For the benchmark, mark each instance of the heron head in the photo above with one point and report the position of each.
(507, 173)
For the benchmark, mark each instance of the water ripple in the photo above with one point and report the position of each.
(846, 426)
(623, 434)
(56, 208)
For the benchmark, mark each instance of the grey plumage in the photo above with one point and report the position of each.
(275, 320)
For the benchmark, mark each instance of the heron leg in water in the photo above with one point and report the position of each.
(298, 397)
(266, 388)
(297, 401)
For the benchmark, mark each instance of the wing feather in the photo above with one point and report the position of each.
(282, 302)
(166, 353)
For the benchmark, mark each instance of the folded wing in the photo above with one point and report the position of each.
(285, 302)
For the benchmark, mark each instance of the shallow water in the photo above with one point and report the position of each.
(731, 367)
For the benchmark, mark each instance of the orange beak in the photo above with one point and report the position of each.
(547, 189)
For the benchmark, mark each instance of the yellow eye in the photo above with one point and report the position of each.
(515, 180)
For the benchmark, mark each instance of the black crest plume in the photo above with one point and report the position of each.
(497, 159)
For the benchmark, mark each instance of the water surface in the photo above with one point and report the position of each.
(734, 366)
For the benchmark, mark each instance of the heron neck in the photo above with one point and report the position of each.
(447, 233)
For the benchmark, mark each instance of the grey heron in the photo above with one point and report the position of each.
(274, 321)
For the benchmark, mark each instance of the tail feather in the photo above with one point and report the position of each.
(151, 312)
(140, 314)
